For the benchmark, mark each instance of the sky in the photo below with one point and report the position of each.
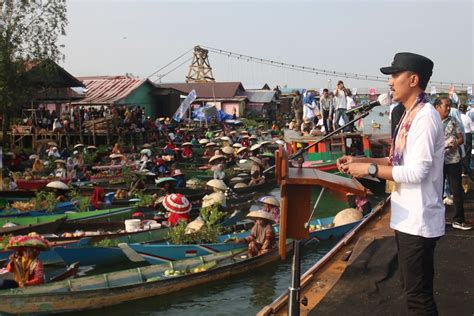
(112, 37)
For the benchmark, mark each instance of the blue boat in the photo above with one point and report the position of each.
(88, 256)
(159, 253)
(61, 208)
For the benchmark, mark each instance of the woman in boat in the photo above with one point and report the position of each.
(218, 196)
(209, 150)
(218, 166)
(117, 149)
(24, 264)
(53, 152)
(242, 153)
(69, 167)
(38, 166)
(167, 185)
(360, 203)
(60, 171)
(60, 190)
(262, 237)
(187, 150)
(97, 197)
(78, 159)
(272, 206)
(180, 178)
(178, 207)
(229, 153)
(256, 171)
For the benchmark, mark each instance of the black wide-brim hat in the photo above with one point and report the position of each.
(419, 64)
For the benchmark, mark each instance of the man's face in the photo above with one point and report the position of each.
(444, 108)
(401, 84)
(325, 94)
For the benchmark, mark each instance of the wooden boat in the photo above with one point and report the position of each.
(70, 272)
(41, 228)
(118, 287)
(17, 194)
(104, 215)
(60, 208)
(321, 277)
(159, 253)
(37, 184)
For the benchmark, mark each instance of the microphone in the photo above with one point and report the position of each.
(383, 100)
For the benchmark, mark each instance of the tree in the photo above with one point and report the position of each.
(29, 30)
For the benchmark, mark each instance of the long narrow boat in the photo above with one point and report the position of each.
(99, 215)
(159, 253)
(41, 228)
(60, 208)
(128, 285)
(324, 274)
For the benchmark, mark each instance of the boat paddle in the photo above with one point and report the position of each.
(131, 254)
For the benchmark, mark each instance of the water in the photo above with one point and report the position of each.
(242, 294)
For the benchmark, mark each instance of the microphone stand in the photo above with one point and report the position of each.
(363, 113)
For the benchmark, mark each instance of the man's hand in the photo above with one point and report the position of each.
(343, 161)
(357, 170)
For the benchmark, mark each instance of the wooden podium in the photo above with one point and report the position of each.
(295, 190)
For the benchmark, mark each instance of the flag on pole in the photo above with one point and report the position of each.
(185, 105)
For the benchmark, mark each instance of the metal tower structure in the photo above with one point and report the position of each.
(200, 69)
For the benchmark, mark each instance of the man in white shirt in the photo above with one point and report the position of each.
(340, 103)
(416, 166)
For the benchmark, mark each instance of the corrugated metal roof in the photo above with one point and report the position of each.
(262, 96)
(209, 90)
(108, 90)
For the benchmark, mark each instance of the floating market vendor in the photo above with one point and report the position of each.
(229, 153)
(256, 172)
(117, 149)
(242, 153)
(60, 171)
(226, 141)
(91, 149)
(209, 150)
(38, 166)
(255, 150)
(78, 159)
(180, 178)
(160, 168)
(69, 167)
(218, 166)
(59, 188)
(97, 197)
(27, 269)
(262, 237)
(167, 185)
(272, 206)
(360, 203)
(7, 183)
(178, 207)
(53, 152)
(218, 196)
(187, 150)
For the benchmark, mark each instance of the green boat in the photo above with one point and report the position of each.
(128, 285)
(115, 214)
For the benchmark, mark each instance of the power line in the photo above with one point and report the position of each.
(314, 70)
(181, 64)
(171, 62)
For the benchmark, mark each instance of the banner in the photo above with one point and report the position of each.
(185, 105)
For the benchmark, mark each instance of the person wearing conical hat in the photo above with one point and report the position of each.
(60, 171)
(180, 178)
(262, 237)
(187, 150)
(218, 196)
(209, 150)
(178, 207)
(256, 172)
(24, 264)
(272, 206)
(242, 153)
